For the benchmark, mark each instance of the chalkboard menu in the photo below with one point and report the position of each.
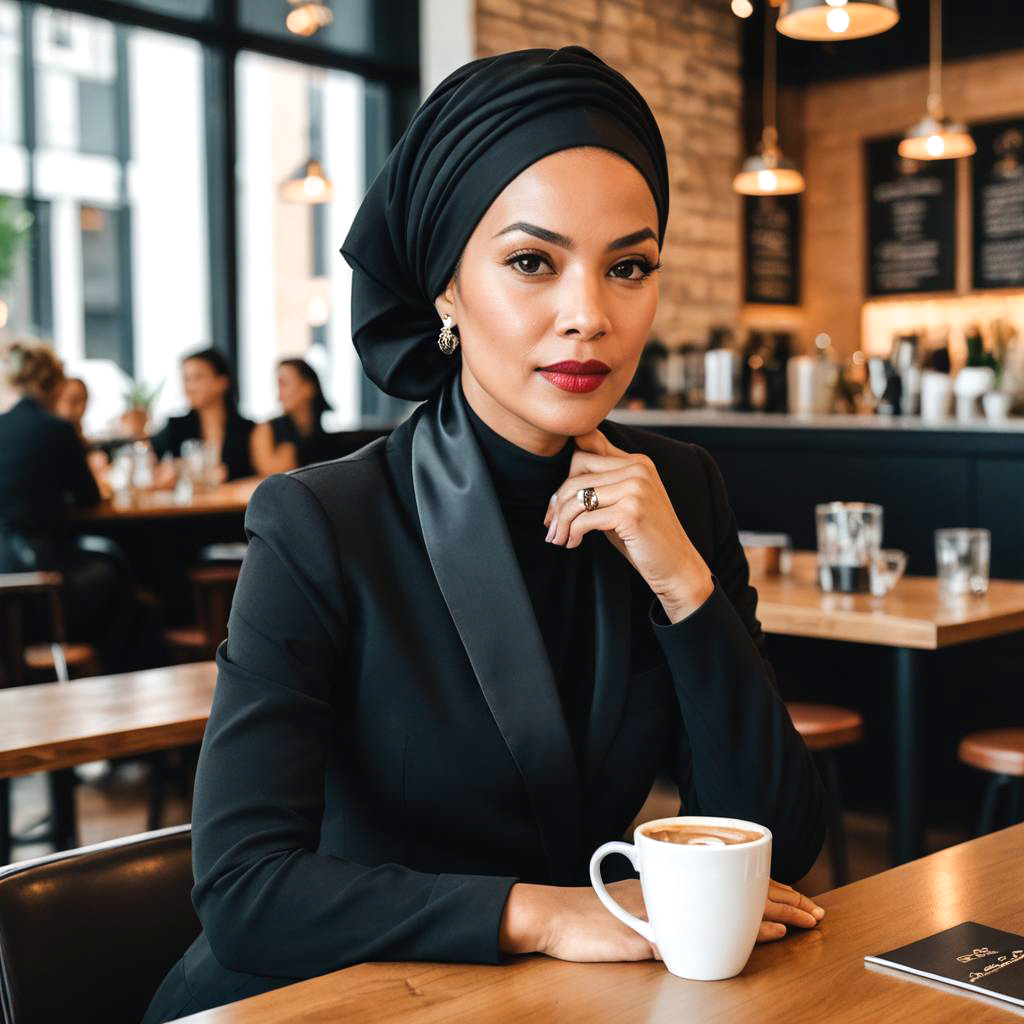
(911, 222)
(997, 170)
(772, 249)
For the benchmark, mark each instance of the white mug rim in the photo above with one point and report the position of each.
(704, 819)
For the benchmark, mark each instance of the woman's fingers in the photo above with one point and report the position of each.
(770, 931)
(782, 893)
(566, 526)
(565, 499)
(787, 906)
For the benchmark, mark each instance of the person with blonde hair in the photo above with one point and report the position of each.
(43, 473)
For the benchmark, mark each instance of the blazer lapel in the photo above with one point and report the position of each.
(476, 569)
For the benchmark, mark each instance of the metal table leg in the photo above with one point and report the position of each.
(907, 841)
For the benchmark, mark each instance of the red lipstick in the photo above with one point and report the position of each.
(571, 375)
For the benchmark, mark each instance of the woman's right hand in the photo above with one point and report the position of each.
(570, 923)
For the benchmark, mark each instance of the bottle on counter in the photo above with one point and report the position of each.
(753, 375)
(721, 370)
(779, 351)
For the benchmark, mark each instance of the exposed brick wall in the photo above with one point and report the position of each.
(684, 57)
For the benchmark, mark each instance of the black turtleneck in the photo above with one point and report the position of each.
(556, 577)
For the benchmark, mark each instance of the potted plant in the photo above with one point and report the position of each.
(138, 400)
(15, 222)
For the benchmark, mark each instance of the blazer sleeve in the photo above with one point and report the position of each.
(269, 902)
(739, 754)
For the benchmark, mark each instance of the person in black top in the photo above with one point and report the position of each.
(296, 437)
(214, 416)
(43, 472)
(429, 712)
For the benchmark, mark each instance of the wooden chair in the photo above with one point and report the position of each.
(825, 729)
(1000, 753)
(213, 587)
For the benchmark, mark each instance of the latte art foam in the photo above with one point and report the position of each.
(701, 835)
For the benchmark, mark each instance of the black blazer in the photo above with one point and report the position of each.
(386, 753)
(42, 471)
(234, 451)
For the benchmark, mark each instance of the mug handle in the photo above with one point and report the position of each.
(627, 850)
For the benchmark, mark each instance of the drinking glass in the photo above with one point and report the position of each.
(849, 542)
(961, 560)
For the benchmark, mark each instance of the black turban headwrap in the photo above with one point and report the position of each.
(483, 125)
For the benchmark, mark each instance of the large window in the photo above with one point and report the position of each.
(149, 154)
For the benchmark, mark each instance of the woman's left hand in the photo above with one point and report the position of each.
(785, 907)
(635, 514)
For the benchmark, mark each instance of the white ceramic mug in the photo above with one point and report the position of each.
(704, 903)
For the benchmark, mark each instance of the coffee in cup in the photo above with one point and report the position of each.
(705, 882)
(702, 835)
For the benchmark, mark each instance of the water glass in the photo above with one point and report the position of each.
(849, 542)
(961, 560)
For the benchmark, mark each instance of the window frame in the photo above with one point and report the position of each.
(222, 40)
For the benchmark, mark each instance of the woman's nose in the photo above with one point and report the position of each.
(581, 309)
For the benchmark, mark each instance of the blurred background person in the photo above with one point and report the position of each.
(70, 403)
(43, 472)
(213, 415)
(296, 437)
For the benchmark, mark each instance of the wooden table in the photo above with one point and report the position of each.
(912, 617)
(812, 976)
(225, 499)
(56, 725)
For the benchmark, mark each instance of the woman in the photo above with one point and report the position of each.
(429, 712)
(44, 472)
(296, 437)
(70, 403)
(213, 415)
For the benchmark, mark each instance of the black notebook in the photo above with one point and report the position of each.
(970, 955)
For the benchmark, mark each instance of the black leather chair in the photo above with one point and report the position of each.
(87, 935)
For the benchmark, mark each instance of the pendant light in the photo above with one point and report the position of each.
(935, 136)
(307, 17)
(308, 185)
(768, 173)
(825, 20)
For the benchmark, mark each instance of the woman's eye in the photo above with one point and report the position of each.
(632, 270)
(529, 263)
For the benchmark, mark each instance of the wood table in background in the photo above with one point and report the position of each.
(813, 976)
(56, 725)
(912, 617)
(225, 499)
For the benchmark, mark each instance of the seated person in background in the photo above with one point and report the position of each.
(297, 437)
(43, 471)
(213, 416)
(70, 403)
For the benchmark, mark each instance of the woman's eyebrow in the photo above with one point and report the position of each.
(567, 243)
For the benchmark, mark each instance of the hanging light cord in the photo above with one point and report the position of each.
(935, 61)
(770, 135)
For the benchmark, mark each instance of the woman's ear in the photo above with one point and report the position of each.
(445, 302)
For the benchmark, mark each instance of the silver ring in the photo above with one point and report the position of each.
(587, 497)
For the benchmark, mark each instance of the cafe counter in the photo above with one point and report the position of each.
(777, 467)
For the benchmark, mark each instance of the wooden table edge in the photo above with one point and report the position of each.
(52, 756)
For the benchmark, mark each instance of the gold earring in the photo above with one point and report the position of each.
(447, 340)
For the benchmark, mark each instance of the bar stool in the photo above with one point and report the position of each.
(826, 728)
(213, 587)
(15, 590)
(1000, 753)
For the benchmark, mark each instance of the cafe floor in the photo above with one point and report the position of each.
(114, 804)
